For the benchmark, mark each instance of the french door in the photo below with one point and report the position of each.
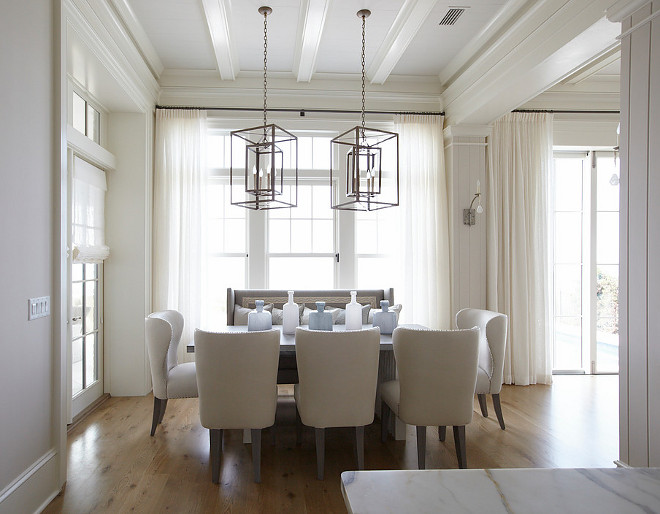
(585, 262)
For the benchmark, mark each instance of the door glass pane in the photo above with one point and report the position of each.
(90, 306)
(77, 365)
(76, 309)
(568, 290)
(607, 319)
(607, 180)
(568, 343)
(568, 184)
(90, 359)
(568, 237)
(607, 237)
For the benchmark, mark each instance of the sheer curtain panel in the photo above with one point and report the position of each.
(517, 260)
(424, 222)
(179, 185)
(88, 220)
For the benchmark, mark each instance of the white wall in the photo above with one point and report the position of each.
(28, 157)
(127, 272)
(639, 379)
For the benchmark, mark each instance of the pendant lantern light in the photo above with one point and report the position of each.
(263, 173)
(367, 166)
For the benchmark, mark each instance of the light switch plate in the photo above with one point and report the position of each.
(38, 307)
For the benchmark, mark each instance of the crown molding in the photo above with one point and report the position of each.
(102, 32)
(624, 8)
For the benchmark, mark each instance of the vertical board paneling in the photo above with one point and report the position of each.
(637, 241)
(482, 230)
(623, 248)
(463, 154)
(654, 244)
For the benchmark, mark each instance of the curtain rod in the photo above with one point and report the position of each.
(301, 111)
(569, 111)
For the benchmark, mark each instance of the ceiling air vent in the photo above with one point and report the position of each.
(452, 15)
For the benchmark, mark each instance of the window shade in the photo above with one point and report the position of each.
(88, 220)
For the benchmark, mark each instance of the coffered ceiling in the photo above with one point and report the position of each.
(403, 37)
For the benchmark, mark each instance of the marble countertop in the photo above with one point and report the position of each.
(503, 490)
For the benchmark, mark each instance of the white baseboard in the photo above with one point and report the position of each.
(33, 489)
(621, 464)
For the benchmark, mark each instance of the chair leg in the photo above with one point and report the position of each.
(359, 446)
(299, 428)
(384, 420)
(498, 410)
(320, 452)
(256, 454)
(156, 415)
(442, 433)
(216, 443)
(163, 406)
(421, 447)
(459, 442)
(482, 404)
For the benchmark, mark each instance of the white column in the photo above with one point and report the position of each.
(639, 378)
(465, 162)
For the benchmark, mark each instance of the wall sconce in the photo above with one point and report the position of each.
(469, 216)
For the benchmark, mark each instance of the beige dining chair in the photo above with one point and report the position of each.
(492, 345)
(237, 382)
(437, 371)
(169, 378)
(338, 374)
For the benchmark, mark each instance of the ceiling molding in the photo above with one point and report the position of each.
(218, 18)
(542, 48)
(311, 20)
(624, 8)
(597, 64)
(103, 33)
(494, 30)
(139, 36)
(407, 23)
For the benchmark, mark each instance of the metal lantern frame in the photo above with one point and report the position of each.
(363, 170)
(264, 172)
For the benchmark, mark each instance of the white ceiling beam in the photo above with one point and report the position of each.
(311, 20)
(139, 36)
(218, 17)
(407, 23)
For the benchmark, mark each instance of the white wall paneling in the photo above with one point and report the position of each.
(127, 272)
(465, 153)
(640, 239)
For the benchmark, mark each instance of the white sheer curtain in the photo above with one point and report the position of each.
(179, 192)
(517, 261)
(424, 224)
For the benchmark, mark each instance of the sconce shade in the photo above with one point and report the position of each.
(264, 160)
(366, 172)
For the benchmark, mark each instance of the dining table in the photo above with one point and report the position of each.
(386, 362)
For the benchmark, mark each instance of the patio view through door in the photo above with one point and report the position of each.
(584, 261)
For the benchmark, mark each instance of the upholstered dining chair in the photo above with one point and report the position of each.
(437, 371)
(169, 378)
(492, 344)
(237, 382)
(338, 375)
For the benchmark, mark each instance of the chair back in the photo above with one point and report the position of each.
(338, 375)
(237, 378)
(163, 333)
(437, 374)
(492, 342)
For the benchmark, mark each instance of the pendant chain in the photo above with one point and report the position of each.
(364, 18)
(265, 63)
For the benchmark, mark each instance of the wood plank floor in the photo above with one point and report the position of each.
(115, 466)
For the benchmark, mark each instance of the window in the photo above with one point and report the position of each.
(295, 248)
(585, 262)
(86, 119)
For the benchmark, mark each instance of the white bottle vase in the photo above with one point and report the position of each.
(259, 319)
(290, 316)
(353, 313)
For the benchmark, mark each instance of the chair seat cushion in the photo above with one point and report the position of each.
(390, 392)
(182, 381)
